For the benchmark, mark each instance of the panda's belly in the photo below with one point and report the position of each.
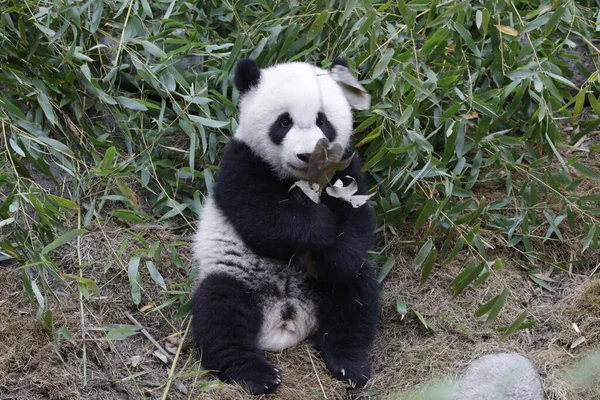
(286, 299)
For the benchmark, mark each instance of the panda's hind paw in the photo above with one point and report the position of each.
(256, 375)
(351, 367)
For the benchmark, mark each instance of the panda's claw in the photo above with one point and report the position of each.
(350, 366)
(256, 375)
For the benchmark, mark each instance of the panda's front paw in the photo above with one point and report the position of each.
(348, 365)
(297, 195)
(256, 375)
(319, 228)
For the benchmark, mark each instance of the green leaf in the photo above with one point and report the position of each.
(496, 308)
(63, 239)
(97, 15)
(208, 122)
(47, 107)
(484, 309)
(7, 104)
(587, 171)
(472, 216)
(401, 307)
(382, 63)
(428, 266)
(464, 33)
(88, 283)
(423, 253)
(153, 49)
(466, 277)
(120, 332)
(592, 100)
(64, 332)
(422, 319)
(540, 282)
(454, 323)
(516, 325)
(317, 25)
(420, 141)
(386, 268)
(134, 278)
(132, 104)
(478, 19)
(589, 237)
(350, 5)
(62, 202)
(128, 215)
(184, 310)
(427, 210)
(156, 276)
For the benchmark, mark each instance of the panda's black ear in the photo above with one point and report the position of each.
(340, 61)
(247, 75)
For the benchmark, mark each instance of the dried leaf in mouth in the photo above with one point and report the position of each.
(324, 162)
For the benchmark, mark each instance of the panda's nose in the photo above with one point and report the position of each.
(303, 157)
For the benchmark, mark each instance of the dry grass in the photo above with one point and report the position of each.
(405, 355)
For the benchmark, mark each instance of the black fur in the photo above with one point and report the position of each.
(340, 61)
(274, 222)
(266, 216)
(280, 128)
(247, 75)
(348, 316)
(355, 228)
(226, 322)
(326, 127)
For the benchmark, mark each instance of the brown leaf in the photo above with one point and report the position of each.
(171, 344)
(507, 30)
(324, 162)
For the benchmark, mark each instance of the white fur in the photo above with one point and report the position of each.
(277, 334)
(215, 238)
(303, 91)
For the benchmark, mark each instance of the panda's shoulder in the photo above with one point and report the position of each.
(239, 161)
(242, 173)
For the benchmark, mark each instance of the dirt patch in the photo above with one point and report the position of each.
(405, 354)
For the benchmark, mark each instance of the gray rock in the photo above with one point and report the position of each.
(501, 376)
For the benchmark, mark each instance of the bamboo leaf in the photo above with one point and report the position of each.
(428, 266)
(516, 325)
(134, 279)
(496, 308)
(63, 239)
(386, 268)
(507, 30)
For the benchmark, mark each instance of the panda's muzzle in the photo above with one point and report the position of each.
(303, 169)
(304, 157)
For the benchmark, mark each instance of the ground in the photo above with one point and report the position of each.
(404, 356)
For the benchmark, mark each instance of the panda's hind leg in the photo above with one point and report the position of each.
(348, 316)
(225, 326)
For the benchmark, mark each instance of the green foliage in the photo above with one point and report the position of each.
(125, 105)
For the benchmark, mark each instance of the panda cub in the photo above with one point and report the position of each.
(256, 236)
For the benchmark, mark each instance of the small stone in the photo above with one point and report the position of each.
(501, 376)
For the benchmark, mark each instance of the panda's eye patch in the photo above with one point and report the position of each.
(326, 127)
(280, 127)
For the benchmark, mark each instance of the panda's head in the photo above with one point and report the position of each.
(285, 109)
